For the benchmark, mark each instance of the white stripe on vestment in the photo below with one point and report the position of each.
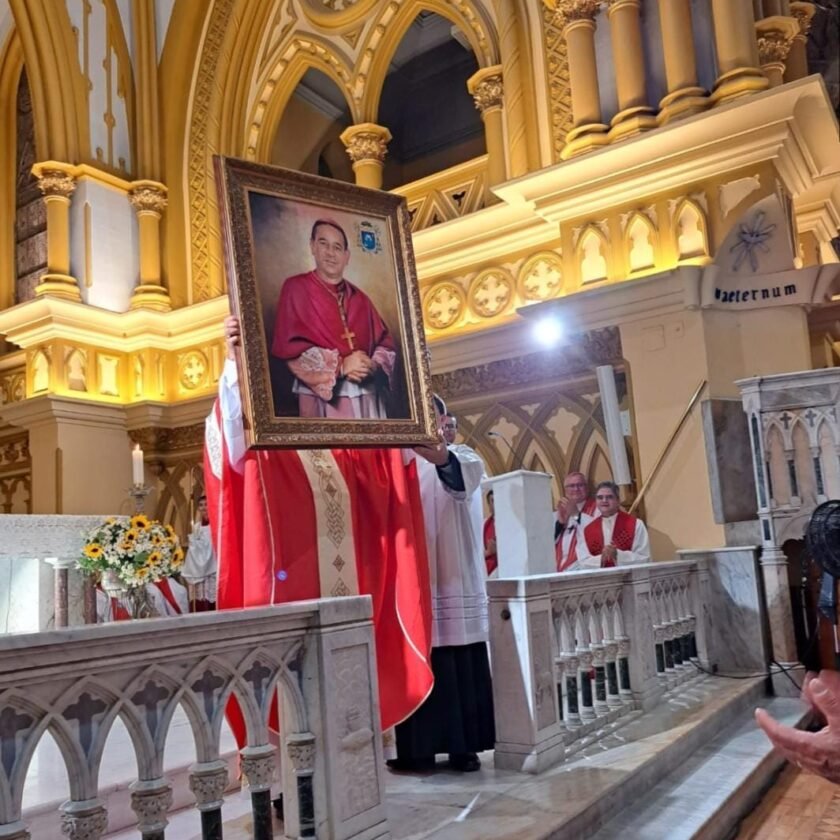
(334, 522)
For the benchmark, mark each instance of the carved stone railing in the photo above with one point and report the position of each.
(316, 655)
(446, 195)
(574, 653)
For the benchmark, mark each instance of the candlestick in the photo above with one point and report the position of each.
(137, 466)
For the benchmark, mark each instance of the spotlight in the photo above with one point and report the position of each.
(548, 331)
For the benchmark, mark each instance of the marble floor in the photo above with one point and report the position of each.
(503, 805)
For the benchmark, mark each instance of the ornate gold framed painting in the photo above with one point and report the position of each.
(321, 276)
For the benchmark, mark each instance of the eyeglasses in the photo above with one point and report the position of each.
(604, 498)
(576, 484)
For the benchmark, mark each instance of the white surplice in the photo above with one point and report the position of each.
(640, 552)
(573, 527)
(200, 566)
(454, 541)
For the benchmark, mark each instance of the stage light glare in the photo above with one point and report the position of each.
(548, 331)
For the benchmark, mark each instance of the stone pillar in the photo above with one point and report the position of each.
(634, 114)
(258, 768)
(57, 185)
(775, 38)
(524, 523)
(61, 567)
(684, 96)
(737, 51)
(487, 90)
(208, 782)
(300, 748)
(367, 145)
(15, 831)
(797, 61)
(149, 201)
(85, 820)
(588, 130)
(151, 801)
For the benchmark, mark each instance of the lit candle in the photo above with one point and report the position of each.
(137, 465)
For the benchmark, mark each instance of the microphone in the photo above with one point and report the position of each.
(508, 444)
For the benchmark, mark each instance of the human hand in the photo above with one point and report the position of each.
(436, 454)
(565, 510)
(817, 752)
(357, 366)
(609, 556)
(232, 335)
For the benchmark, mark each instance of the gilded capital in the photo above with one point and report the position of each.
(148, 196)
(366, 142)
(804, 14)
(56, 182)
(487, 88)
(571, 10)
(773, 48)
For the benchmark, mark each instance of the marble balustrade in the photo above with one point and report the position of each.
(576, 652)
(317, 656)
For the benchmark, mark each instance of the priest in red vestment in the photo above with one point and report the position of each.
(269, 511)
(615, 538)
(330, 335)
(574, 512)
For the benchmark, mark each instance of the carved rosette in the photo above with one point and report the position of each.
(55, 183)
(84, 823)
(208, 783)
(148, 199)
(151, 802)
(301, 750)
(366, 142)
(258, 767)
(489, 93)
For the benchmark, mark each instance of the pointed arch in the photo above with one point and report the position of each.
(591, 255)
(829, 458)
(59, 99)
(640, 243)
(390, 28)
(11, 67)
(278, 85)
(691, 235)
(777, 466)
(803, 462)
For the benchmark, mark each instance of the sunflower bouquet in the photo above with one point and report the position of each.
(135, 550)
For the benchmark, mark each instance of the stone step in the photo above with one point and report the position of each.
(715, 788)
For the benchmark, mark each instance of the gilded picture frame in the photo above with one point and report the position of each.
(321, 277)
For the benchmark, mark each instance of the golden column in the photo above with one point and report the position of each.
(487, 90)
(367, 145)
(634, 114)
(737, 51)
(775, 39)
(57, 184)
(797, 62)
(149, 200)
(684, 96)
(588, 132)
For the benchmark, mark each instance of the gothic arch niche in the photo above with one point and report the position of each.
(30, 211)
(425, 104)
(640, 242)
(307, 135)
(777, 467)
(804, 464)
(829, 461)
(690, 231)
(592, 251)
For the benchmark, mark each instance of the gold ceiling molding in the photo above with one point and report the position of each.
(586, 351)
(334, 15)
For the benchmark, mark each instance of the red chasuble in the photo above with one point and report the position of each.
(308, 315)
(263, 523)
(563, 563)
(624, 531)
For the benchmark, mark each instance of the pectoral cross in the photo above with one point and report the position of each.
(348, 335)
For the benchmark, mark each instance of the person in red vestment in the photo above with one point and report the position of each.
(266, 507)
(615, 538)
(491, 560)
(330, 335)
(574, 512)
